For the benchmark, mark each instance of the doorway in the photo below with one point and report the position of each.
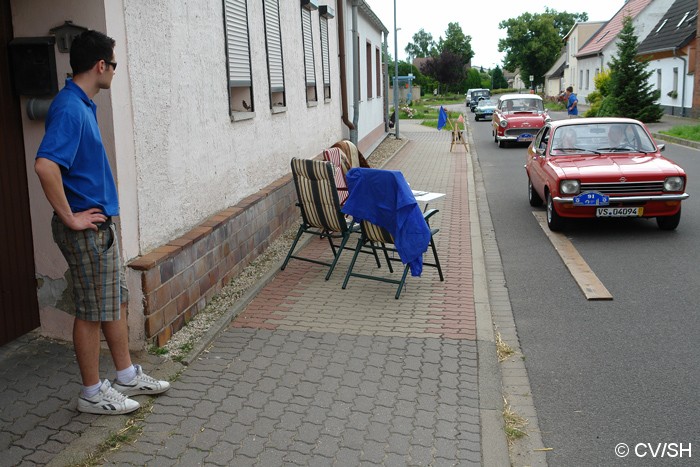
(19, 308)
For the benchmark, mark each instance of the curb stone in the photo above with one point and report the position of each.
(513, 374)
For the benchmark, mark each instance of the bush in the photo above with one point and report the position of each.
(607, 107)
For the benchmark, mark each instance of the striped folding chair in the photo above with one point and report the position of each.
(341, 166)
(320, 209)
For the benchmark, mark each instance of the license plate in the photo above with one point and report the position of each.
(619, 212)
(526, 137)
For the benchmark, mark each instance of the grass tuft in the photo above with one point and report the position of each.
(128, 434)
(514, 424)
(503, 350)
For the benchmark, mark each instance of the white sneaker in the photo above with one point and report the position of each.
(107, 402)
(141, 384)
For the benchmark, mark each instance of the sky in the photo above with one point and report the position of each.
(480, 22)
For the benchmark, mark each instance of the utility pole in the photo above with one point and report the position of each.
(396, 78)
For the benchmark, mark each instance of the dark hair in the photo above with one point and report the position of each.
(570, 89)
(89, 48)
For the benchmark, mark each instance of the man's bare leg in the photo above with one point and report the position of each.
(117, 336)
(86, 340)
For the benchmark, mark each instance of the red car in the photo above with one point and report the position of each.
(603, 167)
(518, 118)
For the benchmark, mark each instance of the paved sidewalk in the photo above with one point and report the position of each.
(308, 373)
(311, 374)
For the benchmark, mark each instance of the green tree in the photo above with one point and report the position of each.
(533, 42)
(457, 43)
(563, 21)
(498, 80)
(630, 89)
(446, 68)
(423, 45)
(473, 78)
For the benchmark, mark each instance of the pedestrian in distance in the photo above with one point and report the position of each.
(571, 102)
(74, 172)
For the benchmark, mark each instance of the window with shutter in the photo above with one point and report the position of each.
(368, 61)
(238, 58)
(378, 71)
(275, 62)
(325, 59)
(309, 64)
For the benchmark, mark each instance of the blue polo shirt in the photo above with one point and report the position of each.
(73, 141)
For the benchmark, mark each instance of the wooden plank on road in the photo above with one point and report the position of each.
(586, 279)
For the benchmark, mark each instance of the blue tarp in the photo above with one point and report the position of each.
(384, 198)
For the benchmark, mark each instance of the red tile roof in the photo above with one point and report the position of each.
(609, 32)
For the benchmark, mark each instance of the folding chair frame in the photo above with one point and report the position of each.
(383, 237)
(320, 210)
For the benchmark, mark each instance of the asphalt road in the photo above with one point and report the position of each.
(604, 372)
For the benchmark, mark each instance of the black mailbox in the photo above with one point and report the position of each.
(33, 66)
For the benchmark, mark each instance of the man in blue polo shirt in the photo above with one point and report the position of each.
(75, 175)
(571, 102)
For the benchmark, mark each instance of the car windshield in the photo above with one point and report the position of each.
(524, 104)
(485, 104)
(598, 138)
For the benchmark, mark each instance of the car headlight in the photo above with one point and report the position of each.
(569, 187)
(674, 184)
(504, 123)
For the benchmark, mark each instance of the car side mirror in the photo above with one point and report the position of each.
(662, 147)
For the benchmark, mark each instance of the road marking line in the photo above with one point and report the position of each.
(586, 279)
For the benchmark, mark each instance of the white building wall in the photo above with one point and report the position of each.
(191, 159)
(371, 114)
(684, 87)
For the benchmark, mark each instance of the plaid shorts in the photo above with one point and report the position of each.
(99, 285)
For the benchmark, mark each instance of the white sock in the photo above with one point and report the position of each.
(127, 374)
(91, 391)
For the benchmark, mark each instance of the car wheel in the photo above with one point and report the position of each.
(669, 222)
(495, 138)
(501, 143)
(532, 195)
(554, 220)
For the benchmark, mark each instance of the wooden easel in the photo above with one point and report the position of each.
(458, 134)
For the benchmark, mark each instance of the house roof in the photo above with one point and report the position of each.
(676, 29)
(557, 70)
(609, 32)
(373, 17)
(580, 25)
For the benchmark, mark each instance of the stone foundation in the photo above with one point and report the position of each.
(181, 277)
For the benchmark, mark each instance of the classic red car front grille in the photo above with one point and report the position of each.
(624, 188)
(520, 131)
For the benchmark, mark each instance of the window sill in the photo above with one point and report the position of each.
(240, 116)
(312, 104)
(279, 109)
(327, 101)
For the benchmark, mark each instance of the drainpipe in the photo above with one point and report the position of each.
(343, 68)
(685, 64)
(355, 75)
(385, 72)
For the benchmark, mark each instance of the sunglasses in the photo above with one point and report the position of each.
(114, 64)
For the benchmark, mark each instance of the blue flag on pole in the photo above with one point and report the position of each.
(442, 118)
